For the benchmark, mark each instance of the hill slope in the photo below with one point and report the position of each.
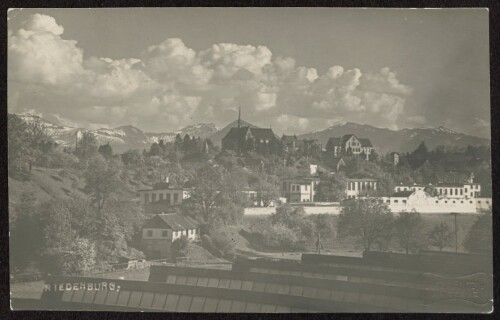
(405, 140)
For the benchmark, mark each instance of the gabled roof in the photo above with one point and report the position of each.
(172, 221)
(365, 142)
(346, 137)
(262, 133)
(334, 141)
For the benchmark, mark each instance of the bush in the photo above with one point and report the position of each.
(179, 247)
(279, 236)
(219, 243)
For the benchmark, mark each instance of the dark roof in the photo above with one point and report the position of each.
(334, 141)
(172, 221)
(345, 137)
(402, 194)
(365, 142)
(262, 133)
(340, 141)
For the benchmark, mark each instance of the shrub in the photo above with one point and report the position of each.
(179, 247)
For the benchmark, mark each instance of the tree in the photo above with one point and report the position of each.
(106, 151)
(440, 236)
(38, 140)
(332, 188)
(102, 179)
(178, 142)
(179, 247)
(154, 150)
(408, 229)
(367, 219)
(86, 146)
(132, 158)
(205, 194)
(17, 146)
(479, 239)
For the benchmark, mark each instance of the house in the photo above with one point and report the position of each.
(255, 164)
(247, 139)
(163, 194)
(161, 230)
(357, 187)
(349, 145)
(299, 189)
(337, 163)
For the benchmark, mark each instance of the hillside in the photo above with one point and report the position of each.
(405, 140)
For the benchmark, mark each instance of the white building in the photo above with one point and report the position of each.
(299, 189)
(164, 193)
(161, 230)
(449, 190)
(423, 202)
(364, 186)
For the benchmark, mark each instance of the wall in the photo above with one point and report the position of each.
(309, 210)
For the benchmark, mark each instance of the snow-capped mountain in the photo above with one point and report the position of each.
(121, 138)
(404, 140)
(384, 140)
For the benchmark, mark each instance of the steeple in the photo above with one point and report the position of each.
(239, 116)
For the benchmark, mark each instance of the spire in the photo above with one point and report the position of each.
(239, 116)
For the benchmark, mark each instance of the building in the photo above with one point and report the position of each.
(312, 148)
(299, 189)
(247, 139)
(448, 190)
(161, 230)
(425, 202)
(291, 144)
(349, 145)
(163, 194)
(357, 187)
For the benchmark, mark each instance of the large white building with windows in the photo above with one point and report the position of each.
(164, 194)
(448, 190)
(357, 187)
(299, 189)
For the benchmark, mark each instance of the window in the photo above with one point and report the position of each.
(146, 197)
(404, 201)
(149, 233)
(176, 197)
(306, 187)
(396, 201)
(153, 197)
(164, 233)
(437, 201)
(446, 202)
(388, 201)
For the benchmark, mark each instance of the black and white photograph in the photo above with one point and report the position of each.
(250, 160)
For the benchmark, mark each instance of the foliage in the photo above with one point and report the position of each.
(220, 242)
(367, 219)
(332, 188)
(102, 179)
(179, 247)
(86, 147)
(279, 236)
(479, 239)
(106, 151)
(408, 230)
(440, 236)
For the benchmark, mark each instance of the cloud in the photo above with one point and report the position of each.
(171, 85)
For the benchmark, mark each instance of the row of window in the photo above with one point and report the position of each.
(152, 197)
(164, 233)
(360, 185)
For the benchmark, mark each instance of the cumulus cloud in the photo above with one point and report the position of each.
(171, 85)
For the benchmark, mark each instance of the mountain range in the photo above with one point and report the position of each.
(384, 140)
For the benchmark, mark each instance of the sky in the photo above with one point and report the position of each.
(295, 70)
